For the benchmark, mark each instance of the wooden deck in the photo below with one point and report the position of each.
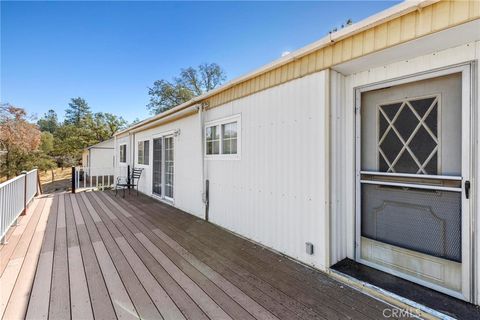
(92, 255)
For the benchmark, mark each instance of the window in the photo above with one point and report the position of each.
(229, 138)
(222, 138)
(408, 136)
(143, 152)
(123, 153)
(213, 140)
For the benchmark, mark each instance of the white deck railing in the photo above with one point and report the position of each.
(96, 178)
(15, 195)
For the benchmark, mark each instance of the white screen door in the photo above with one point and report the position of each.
(413, 151)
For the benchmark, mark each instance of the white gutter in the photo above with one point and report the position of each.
(202, 152)
(370, 22)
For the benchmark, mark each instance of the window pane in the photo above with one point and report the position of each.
(229, 130)
(213, 147)
(123, 153)
(140, 153)
(212, 133)
(419, 135)
(229, 138)
(146, 152)
(208, 133)
(216, 147)
(226, 146)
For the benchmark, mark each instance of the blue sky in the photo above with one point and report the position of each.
(110, 52)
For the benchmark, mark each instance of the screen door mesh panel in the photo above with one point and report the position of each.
(420, 220)
(408, 136)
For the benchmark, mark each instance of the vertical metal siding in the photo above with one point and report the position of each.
(276, 193)
(187, 165)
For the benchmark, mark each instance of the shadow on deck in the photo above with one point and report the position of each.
(93, 255)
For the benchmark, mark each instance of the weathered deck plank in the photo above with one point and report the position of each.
(160, 297)
(141, 300)
(81, 307)
(40, 296)
(122, 303)
(338, 304)
(184, 302)
(14, 265)
(99, 296)
(104, 257)
(60, 292)
(273, 299)
(13, 237)
(21, 291)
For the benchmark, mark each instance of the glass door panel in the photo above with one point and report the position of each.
(157, 167)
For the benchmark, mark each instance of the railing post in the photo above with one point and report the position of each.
(24, 212)
(128, 176)
(73, 179)
(39, 186)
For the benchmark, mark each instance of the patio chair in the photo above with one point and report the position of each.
(125, 183)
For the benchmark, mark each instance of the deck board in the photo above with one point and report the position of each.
(337, 302)
(141, 300)
(79, 294)
(92, 255)
(99, 297)
(14, 265)
(60, 288)
(21, 290)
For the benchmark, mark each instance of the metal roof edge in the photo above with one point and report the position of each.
(388, 14)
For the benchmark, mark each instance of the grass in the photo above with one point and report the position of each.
(61, 180)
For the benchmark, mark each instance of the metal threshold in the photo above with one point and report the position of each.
(421, 301)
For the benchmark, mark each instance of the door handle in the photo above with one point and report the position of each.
(467, 189)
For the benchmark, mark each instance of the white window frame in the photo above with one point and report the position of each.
(138, 153)
(218, 123)
(119, 153)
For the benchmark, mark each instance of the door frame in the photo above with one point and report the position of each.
(468, 219)
(162, 197)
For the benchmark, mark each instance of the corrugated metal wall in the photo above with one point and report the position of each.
(433, 18)
(276, 194)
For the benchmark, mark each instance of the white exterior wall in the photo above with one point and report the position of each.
(343, 230)
(121, 168)
(276, 194)
(100, 159)
(187, 162)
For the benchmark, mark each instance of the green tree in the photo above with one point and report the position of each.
(190, 83)
(49, 122)
(46, 142)
(78, 112)
(104, 125)
(69, 142)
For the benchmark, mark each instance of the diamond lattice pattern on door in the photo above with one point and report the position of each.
(408, 136)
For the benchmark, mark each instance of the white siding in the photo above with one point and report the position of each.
(187, 167)
(276, 193)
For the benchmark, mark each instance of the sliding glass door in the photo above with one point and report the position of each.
(163, 167)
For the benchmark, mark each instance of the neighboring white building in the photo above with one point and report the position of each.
(99, 159)
(363, 144)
